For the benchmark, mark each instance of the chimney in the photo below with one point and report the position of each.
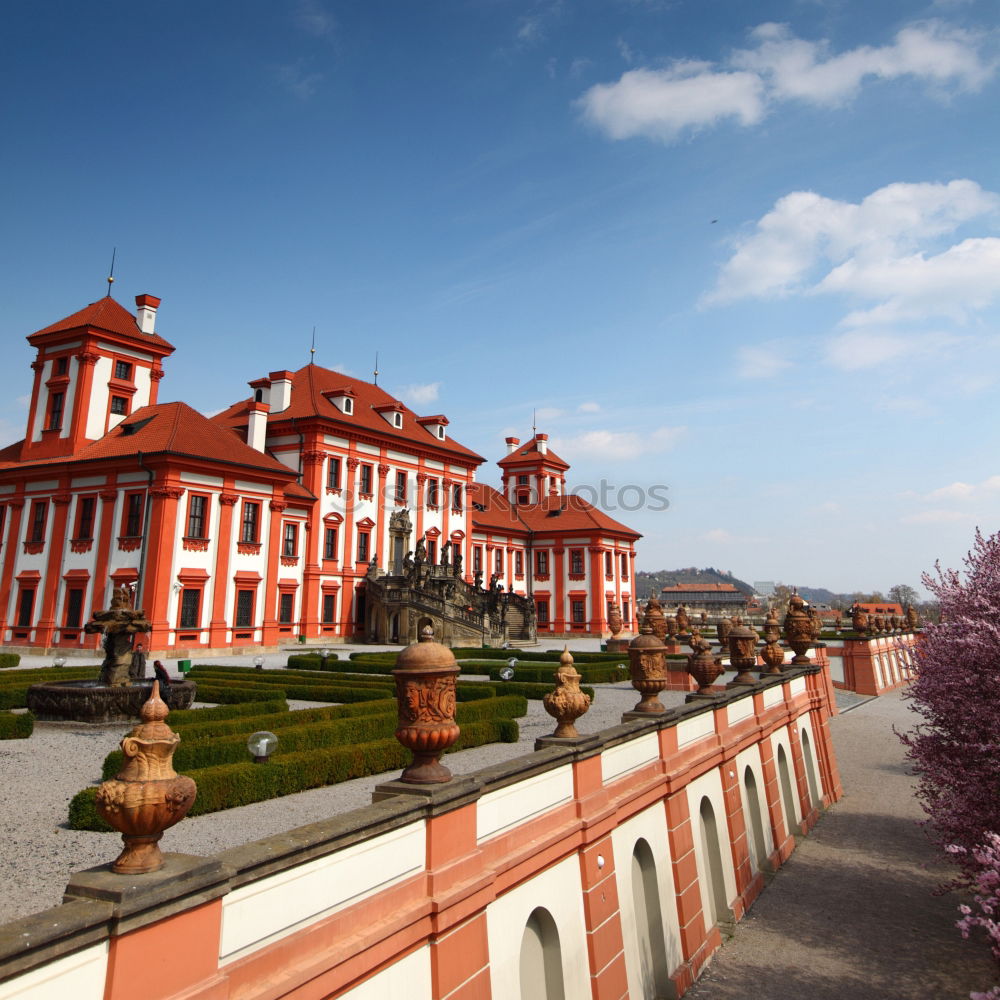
(512, 444)
(145, 316)
(543, 443)
(281, 390)
(257, 425)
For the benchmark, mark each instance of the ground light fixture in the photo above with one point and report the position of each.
(261, 745)
(59, 660)
(507, 673)
(258, 662)
(324, 652)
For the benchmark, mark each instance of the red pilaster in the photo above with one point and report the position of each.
(558, 613)
(312, 479)
(598, 604)
(52, 580)
(160, 534)
(217, 629)
(269, 632)
(15, 505)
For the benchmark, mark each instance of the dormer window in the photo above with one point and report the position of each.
(392, 413)
(397, 420)
(435, 425)
(342, 399)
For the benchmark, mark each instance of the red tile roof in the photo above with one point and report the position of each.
(687, 587)
(105, 314)
(881, 608)
(309, 384)
(167, 428)
(529, 453)
(563, 515)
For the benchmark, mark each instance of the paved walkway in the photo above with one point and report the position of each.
(852, 913)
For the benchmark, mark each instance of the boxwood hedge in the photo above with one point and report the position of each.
(9, 660)
(16, 726)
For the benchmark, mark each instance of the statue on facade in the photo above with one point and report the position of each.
(478, 580)
(408, 564)
(445, 555)
(458, 563)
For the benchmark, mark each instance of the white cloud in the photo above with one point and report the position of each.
(618, 445)
(956, 491)
(589, 407)
(762, 360)
(420, 394)
(299, 82)
(313, 17)
(688, 94)
(937, 516)
(662, 103)
(805, 233)
(718, 535)
(859, 349)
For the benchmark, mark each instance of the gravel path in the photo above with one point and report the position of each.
(852, 913)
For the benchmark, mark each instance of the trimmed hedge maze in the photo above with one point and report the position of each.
(317, 746)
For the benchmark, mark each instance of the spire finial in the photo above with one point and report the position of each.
(312, 348)
(111, 273)
(376, 367)
(534, 422)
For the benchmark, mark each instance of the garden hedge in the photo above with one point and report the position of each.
(185, 717)
(229, 785)
(14, 687)
(16, 727)
(9, 660)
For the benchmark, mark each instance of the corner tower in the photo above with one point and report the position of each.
(532, 471)
(92, 369)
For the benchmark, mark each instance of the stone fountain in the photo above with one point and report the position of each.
(114, 696)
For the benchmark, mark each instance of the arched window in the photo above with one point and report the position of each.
(653, 970)
(712, 854)
(807, 759)
(541, 959)
(787, 795)
(758, 847)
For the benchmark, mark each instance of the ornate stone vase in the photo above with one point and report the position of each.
(567, 702)
(859, 620)
(743, 653)
(671, 621)
(798, 629)
(148, 795)
(656, 619)
(425, 694)
(773, 655)
(683, 621)
(647, 669)
(704, 667)
(912, 618)
(817, 624)
(615, 623)
(722, 631)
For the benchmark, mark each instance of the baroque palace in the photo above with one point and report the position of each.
(319, 507)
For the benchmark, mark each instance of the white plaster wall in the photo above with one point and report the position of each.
(774, 695)
(79, 976)
(559, 890)
(498, 811)
(710, 785)
(691, 730)
(200, 480)
(99, 398)
(751, 758)
(737, 711)
(274, 907)
(797, 686)
(409, 978)
(780, 738)
(805, 725)
(628, 756)
(837, 668)
(651, 826)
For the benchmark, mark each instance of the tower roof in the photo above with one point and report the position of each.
(108, 315)
(531, 452)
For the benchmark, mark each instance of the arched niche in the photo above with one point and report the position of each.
(758, 851)
(787, 793)
(712, 853)
(654, 972)
(541, 958)
(810, 765)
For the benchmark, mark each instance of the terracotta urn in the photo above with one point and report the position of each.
(647, 669)
(656, 619)
(912, 618)
(896, 622)
(722, 630)
(671, 626)
(567, 702)
(878, 624)
(704, 667)
(425, 695)
(148, 795)
(859, 620)
(615, 623)
(798, 629)
(772, 654)
(743, 653)
(683, 621)
(816, 622)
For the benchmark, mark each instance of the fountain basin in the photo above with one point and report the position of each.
(91, 701)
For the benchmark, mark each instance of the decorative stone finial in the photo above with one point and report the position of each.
(654, 615)
(703, 666)
(148, 795)
(743, 653)
(912, 618)
(647, 669)
(772, 653)
(683, 621)
(722, 631)
(859, 619)
(615, 622)
(567, 702)
(425, 694)
(798, 629)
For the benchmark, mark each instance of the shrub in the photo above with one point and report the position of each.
(16, 727)
(9, 660)
(14, 687)
(229, 785)
(184, 717)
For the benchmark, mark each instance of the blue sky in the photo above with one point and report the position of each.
(746, 250)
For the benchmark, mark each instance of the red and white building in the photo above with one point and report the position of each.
(258, 525)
